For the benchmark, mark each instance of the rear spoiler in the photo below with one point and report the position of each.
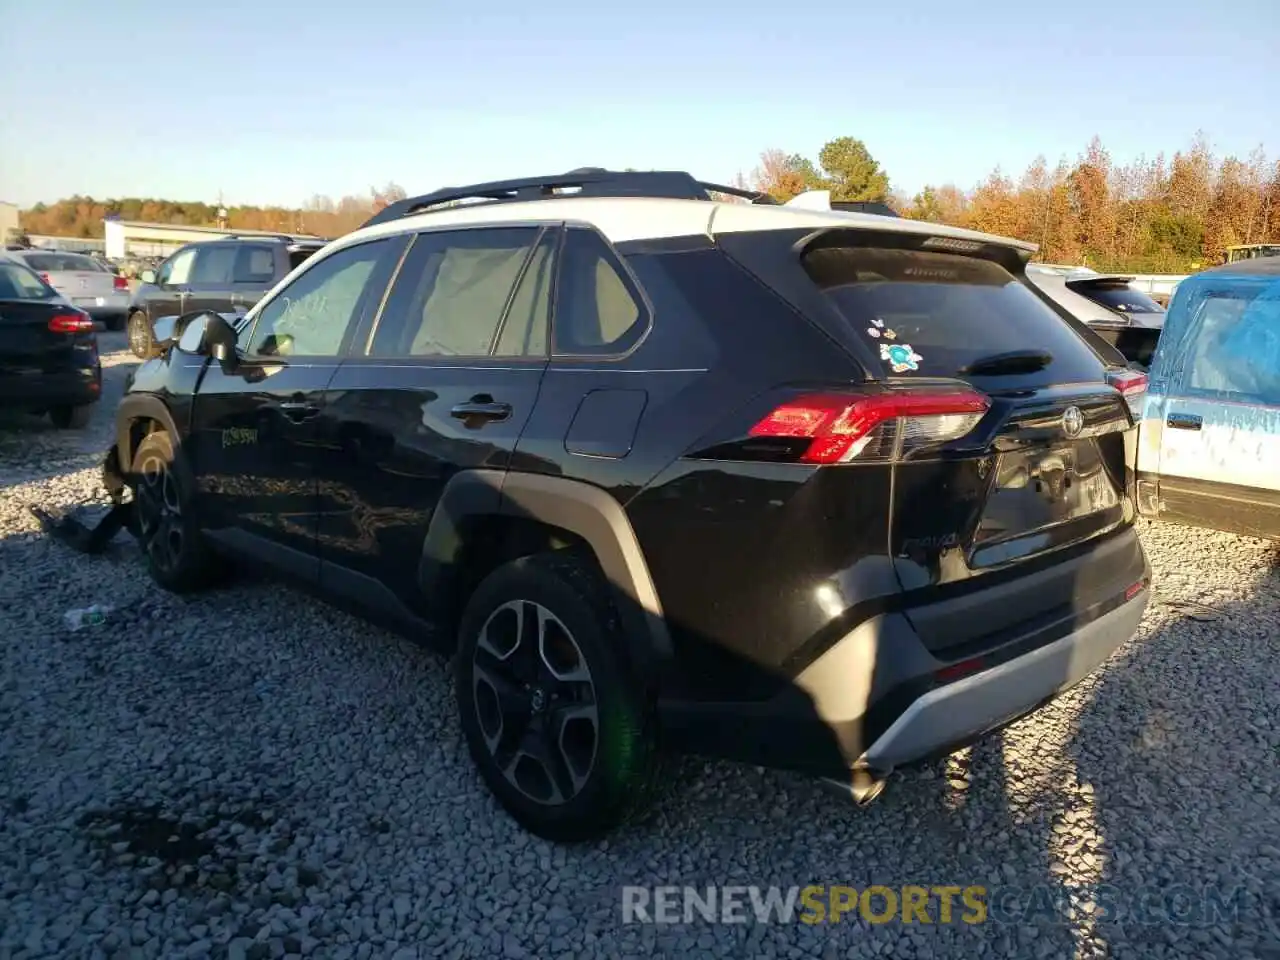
(821, 200)
(1098, 280)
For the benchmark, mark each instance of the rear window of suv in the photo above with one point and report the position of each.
(943, 311)
(1119, 297)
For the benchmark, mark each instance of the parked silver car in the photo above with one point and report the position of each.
(1126, 318)
(83, 282)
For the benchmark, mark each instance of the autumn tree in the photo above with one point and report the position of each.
(1147, 215)
(845, 167)
(781, 176)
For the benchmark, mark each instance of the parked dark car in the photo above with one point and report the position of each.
(819, 492)
(227, 275)
(48, 350)
(1128, 319)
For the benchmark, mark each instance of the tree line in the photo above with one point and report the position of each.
(1151, 215)
(82, 217)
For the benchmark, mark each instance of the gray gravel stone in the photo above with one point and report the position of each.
(250, 774)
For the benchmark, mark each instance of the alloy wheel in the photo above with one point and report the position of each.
(138, 336)
(160, 514)
(536, 702)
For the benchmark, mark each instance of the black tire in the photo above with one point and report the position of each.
(177, 555)
(71, 417)
(141, 337)
(624, 770)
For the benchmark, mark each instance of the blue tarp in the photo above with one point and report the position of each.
(1221, 338)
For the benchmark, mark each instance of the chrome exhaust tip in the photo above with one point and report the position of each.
(862, 787)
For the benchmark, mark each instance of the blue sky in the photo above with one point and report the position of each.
(273, 100)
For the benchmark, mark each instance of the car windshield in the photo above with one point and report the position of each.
(19, 283)
(54, 262)
(936, 313)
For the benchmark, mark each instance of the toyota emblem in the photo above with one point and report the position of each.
(1072, 421)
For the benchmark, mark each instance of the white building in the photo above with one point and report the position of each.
(136, 238)
(10, 225)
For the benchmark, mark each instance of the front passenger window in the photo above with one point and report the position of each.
(177, 269)
(312, 316)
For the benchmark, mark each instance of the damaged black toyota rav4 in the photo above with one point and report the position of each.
(664, 471)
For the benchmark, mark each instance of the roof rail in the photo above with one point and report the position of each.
(284, 237)
(583, 182)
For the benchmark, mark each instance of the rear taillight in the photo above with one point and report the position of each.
(1132, 386)
(70, 323)
(840, 427)
(119, 283)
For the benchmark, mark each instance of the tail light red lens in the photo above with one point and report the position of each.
(70, 323)
(841, 427)
(1132, 386)
(119, 283)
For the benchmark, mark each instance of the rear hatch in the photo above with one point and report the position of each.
(1041, 474)
(76, 277)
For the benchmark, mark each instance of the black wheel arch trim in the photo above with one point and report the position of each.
(586, 511)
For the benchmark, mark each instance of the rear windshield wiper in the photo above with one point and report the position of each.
(1005, 364)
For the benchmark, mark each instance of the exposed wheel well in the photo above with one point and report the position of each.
(488, 542)
(139, 429)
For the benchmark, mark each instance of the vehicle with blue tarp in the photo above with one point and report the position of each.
(1209, 443)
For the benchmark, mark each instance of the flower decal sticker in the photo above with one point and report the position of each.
(900, 357)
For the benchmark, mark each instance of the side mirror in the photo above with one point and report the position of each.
(147, 276)
(209, 334)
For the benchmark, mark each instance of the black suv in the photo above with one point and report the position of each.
(227, 275)
(817, 490)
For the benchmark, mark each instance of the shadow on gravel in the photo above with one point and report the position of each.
(1169, 757)
(1180, 741)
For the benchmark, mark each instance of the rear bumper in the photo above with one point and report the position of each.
(39, 390)
(104, 307)
(879, 698)
(958, 712)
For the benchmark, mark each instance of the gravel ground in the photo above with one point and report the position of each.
(249, 774)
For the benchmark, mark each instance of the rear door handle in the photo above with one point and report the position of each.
(478, 410)
(298, 410)
(1184, 421)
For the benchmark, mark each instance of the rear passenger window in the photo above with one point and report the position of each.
(215, 263)
(453, 291)
(255, 265)
(597, 309)
(524, 332)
